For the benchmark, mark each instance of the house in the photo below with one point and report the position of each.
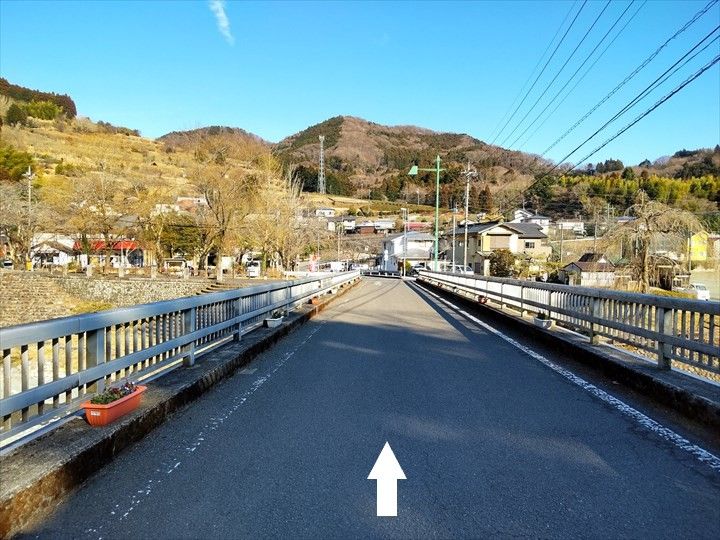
(51, 249)
(385, 225)
(575, 226)
(344, 223)
(365, 227)
(521, 239)
(526, 216)
(521, 215)
(419, 249)
(325, 212)
(123, 252)
(697, 247)
(591, 270)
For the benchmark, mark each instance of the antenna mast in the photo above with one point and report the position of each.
(321, 174)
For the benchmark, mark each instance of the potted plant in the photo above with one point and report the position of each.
(543, 320)
(113, 403)
(275, 319)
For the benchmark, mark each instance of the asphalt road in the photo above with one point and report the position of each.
(493, 444)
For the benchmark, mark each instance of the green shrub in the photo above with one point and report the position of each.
(16, 115)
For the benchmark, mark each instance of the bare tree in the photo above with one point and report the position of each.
(225, 175)
(654, 223)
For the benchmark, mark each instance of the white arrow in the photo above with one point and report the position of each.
(387, 472)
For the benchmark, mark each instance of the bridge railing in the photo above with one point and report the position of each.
(668, 329)
(48, 367)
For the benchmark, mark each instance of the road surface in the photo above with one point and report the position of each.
(492, 441)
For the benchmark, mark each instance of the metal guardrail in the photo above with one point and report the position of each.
(382, 273)
(49, 367)
(670, 329)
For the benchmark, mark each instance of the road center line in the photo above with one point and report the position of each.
(648, 423)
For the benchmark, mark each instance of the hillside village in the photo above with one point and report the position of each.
(520, 223)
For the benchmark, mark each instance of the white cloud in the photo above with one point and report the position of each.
(223, 23)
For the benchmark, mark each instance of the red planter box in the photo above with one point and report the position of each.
(101, 415)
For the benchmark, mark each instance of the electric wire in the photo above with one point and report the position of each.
(648, 89)
(541, 71)
(655, 106)
(632, 74)
(567, 83)
(582, 77)
(537, 65)
(549, 85)
(642, 94)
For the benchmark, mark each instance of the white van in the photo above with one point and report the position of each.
(253, 269)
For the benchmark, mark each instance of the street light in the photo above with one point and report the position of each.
(413, 172)
(405, 218)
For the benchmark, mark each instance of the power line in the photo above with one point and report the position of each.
(541, 71)
(522, 89)
(633, 74)
(582, 77)
(587, 58)
(641, 116)
(648, 89)
(549, 85)
(655, 106)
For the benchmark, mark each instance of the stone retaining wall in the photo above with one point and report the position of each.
(33, 296)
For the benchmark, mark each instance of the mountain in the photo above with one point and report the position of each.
(360, 154)
(180, 139)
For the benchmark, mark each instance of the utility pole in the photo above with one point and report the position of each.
(596, 231)
(30, 177)
(469, 172)
(405, 220)
(561, 246)
(321, 173)
(453, 237)
(338, 241)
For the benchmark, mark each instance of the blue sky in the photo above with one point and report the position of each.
(274, 68)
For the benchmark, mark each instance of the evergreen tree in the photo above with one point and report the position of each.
(16, 115)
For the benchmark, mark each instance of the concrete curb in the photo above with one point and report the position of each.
(671, 389)
(37, 475)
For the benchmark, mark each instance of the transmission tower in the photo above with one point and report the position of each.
(321, 174)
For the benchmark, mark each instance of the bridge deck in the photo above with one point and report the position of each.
(493, 443)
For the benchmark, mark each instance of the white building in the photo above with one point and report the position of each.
(419, 249)
(325, 212)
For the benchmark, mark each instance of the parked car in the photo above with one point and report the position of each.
(252, 268)
(460, 269)
(700, 291)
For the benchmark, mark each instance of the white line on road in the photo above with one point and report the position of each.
(669, 435)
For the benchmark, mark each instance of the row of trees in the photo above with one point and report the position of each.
(27, 95)
(250, 203)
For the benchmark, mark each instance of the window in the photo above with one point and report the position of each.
(529, 245)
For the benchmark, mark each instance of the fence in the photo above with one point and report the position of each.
(669, 329)
(50, 366)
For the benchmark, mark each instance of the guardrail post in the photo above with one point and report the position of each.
(550, 304)
(663, 326)
(238, 312)
(522, 301)
(189, 326)
(502, 298)
(7, 382)
(96, 351)
(595, 308)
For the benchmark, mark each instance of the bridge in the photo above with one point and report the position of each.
(501, 428)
